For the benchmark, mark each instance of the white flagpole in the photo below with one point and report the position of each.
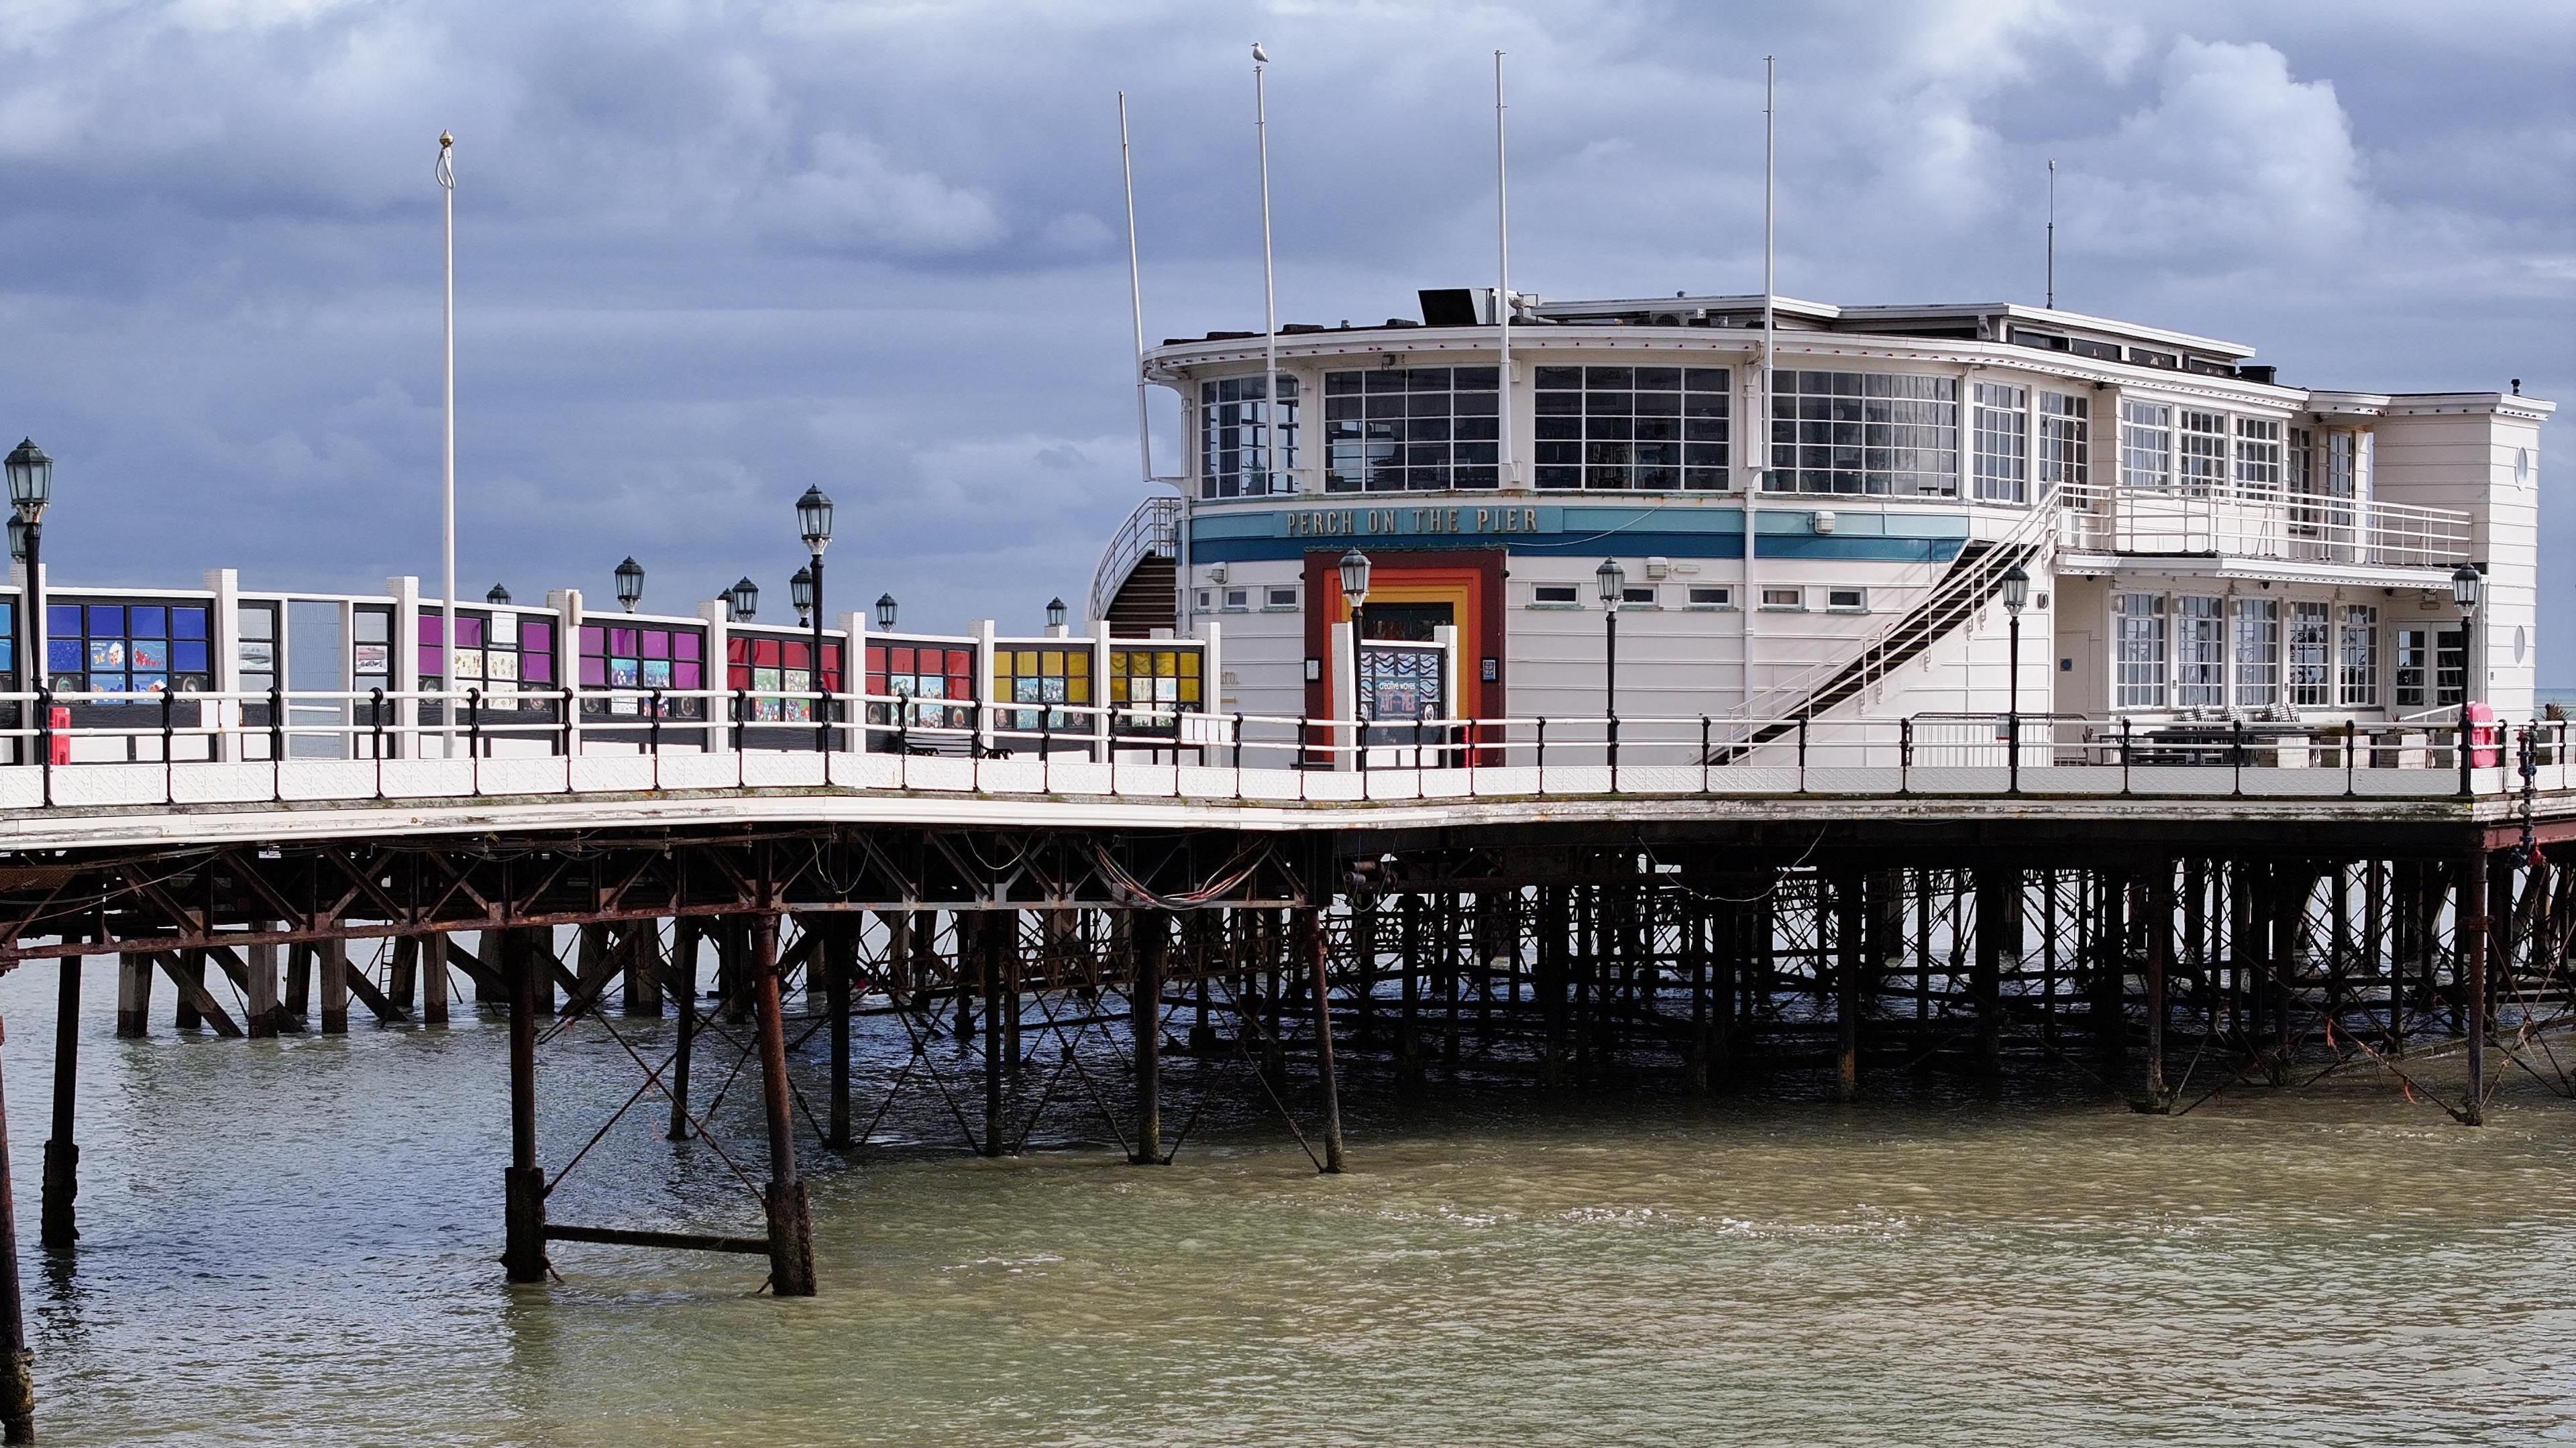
(1759, 435)
(2052, 235)
(1135, 297)
(1508, 475)
(447, 469)
(1270, 413)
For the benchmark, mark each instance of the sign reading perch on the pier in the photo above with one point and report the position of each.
(1414, 522)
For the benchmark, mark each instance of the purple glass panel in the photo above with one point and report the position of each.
(432, 660)
(685, 645)
(657, 643)
(430, 623)
(469, 633)
(684, 675)
(594, 672)
(621, 642)
(536, 668)
(536, 637)
(591, 637)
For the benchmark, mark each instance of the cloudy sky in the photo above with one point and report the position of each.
(712, 252)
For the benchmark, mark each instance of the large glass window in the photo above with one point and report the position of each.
(1151, 687)
(2357, 657)
(921, 671)
(633, 660)
(2202, 464)
(771, 665)
(2428, 668)
(2003, 441)
(1043, 676)
(2138, 622)
(2065, 427)
(2146, 444)
(2258, 653)
(2311, 655)
(496, 652)
(2200, 652)
(1659, 428)
(1864, 432)
(2258, 454)
(127, 648)
(1399, 429)
(1235, 446)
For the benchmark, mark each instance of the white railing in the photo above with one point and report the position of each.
(1153, 527)
(2260, 523)
(311, 746)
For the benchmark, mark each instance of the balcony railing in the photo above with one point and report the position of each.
(2259, 523)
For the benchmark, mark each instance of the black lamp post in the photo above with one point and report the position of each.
(1355, 586)
(742, 601)
(630, 584)
(814, 524)
(498, 595)
(1612, 581)
(1055, 612)
(2016, 594)
(2466, 585)
(885, 613)
(31, 487)
(800, 594)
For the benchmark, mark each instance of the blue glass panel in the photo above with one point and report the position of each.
(107, 653)
(63, 620)
(188, 658)
(151, 683)
(8, 655)
(106, 621)
(153, 654)
(148, 622)
(107, 684)
(187, 623)
(63, 656)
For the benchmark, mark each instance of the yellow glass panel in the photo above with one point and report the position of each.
(1189, 666)
(1117, 663)
(1189, 691)
(1078, 664)
(1027, 662)
(1077, 691)
(1166, 663)
(1050, 662)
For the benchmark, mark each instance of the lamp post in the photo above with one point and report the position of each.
(1055, 615)
(885, 613)
(2016, 594)
(2466, 585)
(1612, 580)
(31, 487)
(497, 596)
(1355, 586)
(630, 584)
(800, 593)
(742, 601)
(814, 524)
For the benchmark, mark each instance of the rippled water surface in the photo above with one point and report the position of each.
(294, 1243)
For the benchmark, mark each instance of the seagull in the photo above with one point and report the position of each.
(1259, 55)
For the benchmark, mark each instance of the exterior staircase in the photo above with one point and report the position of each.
(1136, 588)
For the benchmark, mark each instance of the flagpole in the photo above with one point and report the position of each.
(1760, 433)
(447, 467)
(1508, 475)
(1144, 427)
(2052, 235)
(1270, 412)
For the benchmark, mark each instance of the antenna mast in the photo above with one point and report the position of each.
(2052, 234)
(1508, 474)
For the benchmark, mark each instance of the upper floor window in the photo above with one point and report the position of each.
(2258, 454)
(1647, 428)
(1236, 458)
(2146, 444)
(1399, 429)
(2201, 466)
(2064, 442)
(1864, 432)
(2003, 443)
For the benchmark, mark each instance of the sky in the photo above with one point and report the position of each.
(711, 253)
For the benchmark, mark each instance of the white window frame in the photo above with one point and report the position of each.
(1639, 596)
(2254, 652)
(2199, 633)
(2301, 690)
(2146, 444)
(1859, 600)
(1238, 600)
(2200, 452)
(2357, 676)
(1274, 603)
(1784, 600)
(1999, 425)
(1718, 596)
(2143, 682)
(1539, 595)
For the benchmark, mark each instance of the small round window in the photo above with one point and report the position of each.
(2522, 467)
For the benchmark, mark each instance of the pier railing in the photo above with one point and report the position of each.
(2268, 523)
(202, 749)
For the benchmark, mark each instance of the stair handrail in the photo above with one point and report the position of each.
(1797, 697)
(1154, 526)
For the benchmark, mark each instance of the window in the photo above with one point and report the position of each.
(2357, 657)
(773, 665)
(1398, 429)
(921, 671)
(2311, 687)
(2146, 444)
(1703, 596)
(1238, 600)
(1556, 595)
(1637, 598)
(1281, 598)
(2258, 653)
(139, 648)
(2138, 635)
(258, 646)
(1847, 600)
(1784, 598)
(2200, 652)
(1043, 676)
(633, 658)
(2202, 466)
(2450, 666)
(1657, 428)
(2065, 428)
(1150, 687)
(1234, 438)
(2427, 660)
(2003, 445)
(2258, 455)
(496, 651)
(2302, 449)
(1864, 432)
